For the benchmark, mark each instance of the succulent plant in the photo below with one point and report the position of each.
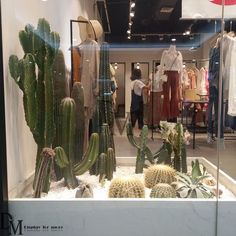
(192, 187)
(159, 174)
(84, 191)
(33, 75)
(173, 135)
(126, 187)
(162, 190)
(143, 152)
(44, 170)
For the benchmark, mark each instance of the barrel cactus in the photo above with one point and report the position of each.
(126, 187)
(159, 174)
(162, 190)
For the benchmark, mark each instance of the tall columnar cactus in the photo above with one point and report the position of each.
(106, 111)
(162, 190)
(43, 170)
(61, 90)
(144, 152)
(159, 174)
(106, 142)
(78, 95)
(126, 187)
(33, 75)
(68, 139)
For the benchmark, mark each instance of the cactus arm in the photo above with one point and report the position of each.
(89, 157)
(14, 67)
(26, 38)
(184, 159)
(130, 135)
(61, 158)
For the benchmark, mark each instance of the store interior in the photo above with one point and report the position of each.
(126, 35)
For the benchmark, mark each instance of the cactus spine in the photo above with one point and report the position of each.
(43, 170)
(78, 95)
(68, 139)
(159, 174)
(162, 190)
(40, 47)
(126, 188)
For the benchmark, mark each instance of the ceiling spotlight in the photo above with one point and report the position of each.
(191, 37)
(143, 37)
(131, 14)
(132, 4)
(138, 66)
(173, 39)
(128, 31)
(129, 37)
(187, 32)
(184, 33)
(130, 23)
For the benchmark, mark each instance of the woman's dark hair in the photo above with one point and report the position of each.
(136, 74)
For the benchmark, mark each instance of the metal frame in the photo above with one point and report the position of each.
(3, 153)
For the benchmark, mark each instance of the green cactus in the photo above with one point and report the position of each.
(43, 171)
(40, 47)
(106, 111)
(162, 190)
(102, 166)
(126, 187)
(78, 95)
(143, 152)
(159, 174)
(68, 139)
(89, 157)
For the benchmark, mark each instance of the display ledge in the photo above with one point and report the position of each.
(125, 217)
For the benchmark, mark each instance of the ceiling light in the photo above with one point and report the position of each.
(187, 32)
(166, 10)
(128, 31)
(130, 23)
(129, 37)
(173, 39)
(143, 37)
(115, 66)
(191, 37)
(132, 5)
(138, 66)
(184, 33)
(131, 14)
(44, 0)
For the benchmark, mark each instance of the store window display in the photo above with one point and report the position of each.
(172, 65)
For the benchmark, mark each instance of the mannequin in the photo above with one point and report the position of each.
(114, 87)
(172, 66)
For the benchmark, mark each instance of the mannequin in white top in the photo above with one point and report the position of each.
(171, 65)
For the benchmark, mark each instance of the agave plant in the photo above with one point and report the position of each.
(192, 186)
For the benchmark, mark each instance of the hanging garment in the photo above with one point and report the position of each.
(170, 107)
(202, 82)
(76, 64)
(89, 66)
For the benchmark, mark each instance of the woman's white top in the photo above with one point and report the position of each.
(172, 60)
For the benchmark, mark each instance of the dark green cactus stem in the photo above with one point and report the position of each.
(68, 139)
(178, 147)
(61, 158)
(110, 163)
(140, 160)
(102, 166)
(89, 157)
(40, 47)
(184, 159)
(106, 111)
(78, 95)
(130, 135)
(44, 170)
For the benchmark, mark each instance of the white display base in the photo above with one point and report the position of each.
(139, 217)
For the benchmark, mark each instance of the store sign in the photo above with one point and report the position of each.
(208, 9)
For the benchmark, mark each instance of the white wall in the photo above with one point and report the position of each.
(21, 148)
